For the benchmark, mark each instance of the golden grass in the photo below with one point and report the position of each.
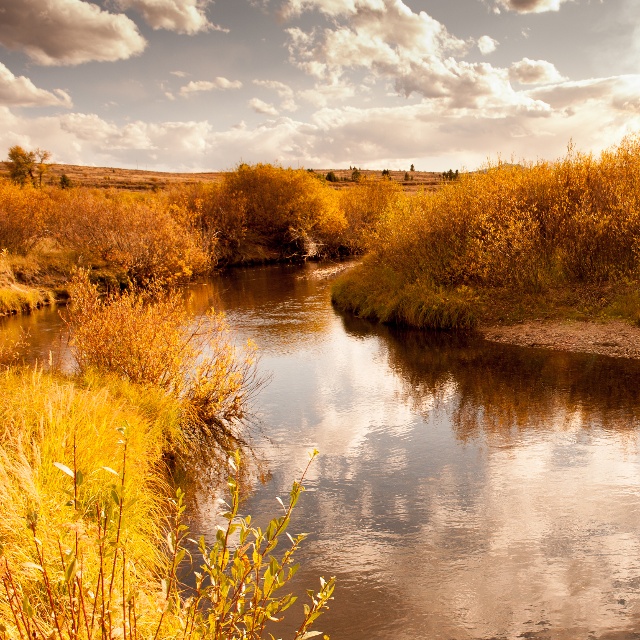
(49, 421)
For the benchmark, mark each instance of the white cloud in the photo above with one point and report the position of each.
(209, 85)
(284, 91)
(528, 71)
(183, 16)
(594, 113)
(179, 74)
(323, 95)
(487, 45)
(532, 6)
(67, 32)
(260, 106)
(20, 91)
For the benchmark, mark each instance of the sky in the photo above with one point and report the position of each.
(202, 85)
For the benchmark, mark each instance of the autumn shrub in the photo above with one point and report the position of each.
(287, 209)
(515, 229)
(218, 214)
(147, 336)
(364, 206)
(24, 212)
(145, 236)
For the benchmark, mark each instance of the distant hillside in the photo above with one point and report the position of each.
(139, 180)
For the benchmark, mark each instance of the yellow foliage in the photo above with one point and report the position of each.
(520, 228)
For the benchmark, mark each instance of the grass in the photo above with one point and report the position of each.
(508, 243)
(91, 539)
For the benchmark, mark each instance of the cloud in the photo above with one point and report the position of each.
(259, 106)
(487, 45)
(21, 92)
(528, 71)
(284, 91)
(594, 113)
(531, 6)
(323, 95)
(183, 16)
(387, 39)
(209, 85)
(67, 32)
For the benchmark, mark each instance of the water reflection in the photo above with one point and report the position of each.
(465, 490)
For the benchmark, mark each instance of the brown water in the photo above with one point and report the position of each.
(464, 490)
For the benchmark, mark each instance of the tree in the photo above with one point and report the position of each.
(412, 168)
(42, 155)
(26, 165)
(21, 165)
(65, 182)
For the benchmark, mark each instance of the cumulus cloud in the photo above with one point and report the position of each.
(67, 32)
(528, 71)
(20, 91)
(487, 45)
(265, 108)
(183, 16)
(284, 91)
(387, 39)
(323, 95)
(594, 113)
(531, 6)
(218, 83)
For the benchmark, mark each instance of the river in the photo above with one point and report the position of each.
(465, 490)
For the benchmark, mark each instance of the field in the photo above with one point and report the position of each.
(143, 180)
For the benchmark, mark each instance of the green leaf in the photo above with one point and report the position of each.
(71, 571)
(79, 478)
(115, 497)
(63, 468)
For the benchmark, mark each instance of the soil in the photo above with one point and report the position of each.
(613, 338)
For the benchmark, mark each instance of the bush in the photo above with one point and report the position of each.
(145, 236)
(287, 209)
(147, 337)
(90, 563)
(520, 229)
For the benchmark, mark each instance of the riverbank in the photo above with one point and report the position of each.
(613, 338)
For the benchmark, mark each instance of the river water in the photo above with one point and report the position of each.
(464, 490)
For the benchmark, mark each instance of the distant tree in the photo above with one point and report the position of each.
(41, 155)
(331, 177)
(450, 175)
(21, 165)
(386, 172)
(412, 168)
(65, 182)
(355, 175)
(406, 176)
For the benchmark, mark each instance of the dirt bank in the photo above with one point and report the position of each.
(613, 338)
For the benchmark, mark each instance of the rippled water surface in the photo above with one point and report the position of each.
(464, 490)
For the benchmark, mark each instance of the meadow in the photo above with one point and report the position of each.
(510, 242)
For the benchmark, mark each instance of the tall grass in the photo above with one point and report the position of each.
(90, 540)
(90, 544)
(506, 232)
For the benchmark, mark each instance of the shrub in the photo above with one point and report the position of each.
(519, 229)
(89, 563)
(145, 236)
(287, 209)
(146, 336)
